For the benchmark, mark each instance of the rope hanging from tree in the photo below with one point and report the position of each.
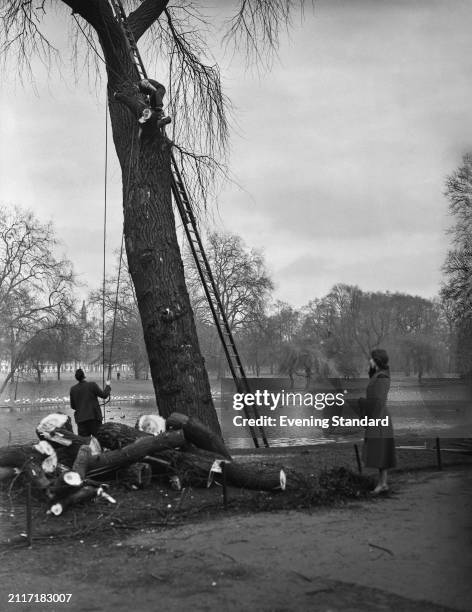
(115, 308)
(105, 201)
(120, 263)
(104, 242)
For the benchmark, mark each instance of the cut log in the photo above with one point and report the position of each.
(82, 460)
(49, 463)
(85, 493)
(137, 476)
(33, 472)
(147, 445)
(193, 468)
(26, 459)
(55, 420)
(62, 437)
(151, 423)
(198, 433)
(76, 497)
(254, 476)
(68, 480)
(66, 483)
(66, 444)
(17, 455)
(117, 435)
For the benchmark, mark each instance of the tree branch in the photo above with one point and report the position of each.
(145, 15)
(89, 10)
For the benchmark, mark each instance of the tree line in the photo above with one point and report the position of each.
(42, 321)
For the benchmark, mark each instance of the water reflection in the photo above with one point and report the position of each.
(436, 407)
(439, 406)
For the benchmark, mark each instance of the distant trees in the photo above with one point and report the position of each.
(35, 284)
(334, 334)
(265, 340)
(243, 284)
(457, 290)
(331, 336)
(337, 332)
(57, 343)
(64, 341)
(240, 276)
(420, 336)
(124, 338)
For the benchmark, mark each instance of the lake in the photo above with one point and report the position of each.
(438, 407)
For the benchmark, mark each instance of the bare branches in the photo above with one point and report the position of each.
(85, 57)
(240, 276)
(124, 332)
(196, 100)
(458, 264)
(458, 289)
(255, 29)
(459, 193)
(22, 34)
(35, 286)
(178, 37)
(202, 176)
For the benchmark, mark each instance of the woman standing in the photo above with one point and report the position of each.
(379, 443)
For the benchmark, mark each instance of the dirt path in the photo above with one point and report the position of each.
(412, 551)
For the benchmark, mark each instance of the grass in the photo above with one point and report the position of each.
(323, 476)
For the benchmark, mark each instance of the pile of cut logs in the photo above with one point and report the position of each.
(70, 469)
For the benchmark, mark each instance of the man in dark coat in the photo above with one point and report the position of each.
(379, 443)
(84, 401)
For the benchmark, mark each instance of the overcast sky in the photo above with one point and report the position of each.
(340, 154)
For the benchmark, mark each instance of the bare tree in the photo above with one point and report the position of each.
(124, 339)
(197, 106)
(457, 289)
(62, 340)
(419, 334)
(240, 276)
(35, 286)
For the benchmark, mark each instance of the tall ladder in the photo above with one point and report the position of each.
(189, 222)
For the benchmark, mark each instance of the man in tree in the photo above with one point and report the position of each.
(176, 364)
(83, 400)
(152, 118)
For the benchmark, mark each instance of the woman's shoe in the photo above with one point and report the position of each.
(380, 490)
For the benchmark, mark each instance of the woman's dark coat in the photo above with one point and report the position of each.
(379, 443)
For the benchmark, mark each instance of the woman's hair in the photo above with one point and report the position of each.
(381, 358)
(79, 374)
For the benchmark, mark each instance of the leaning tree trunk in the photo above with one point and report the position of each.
(177, 367)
